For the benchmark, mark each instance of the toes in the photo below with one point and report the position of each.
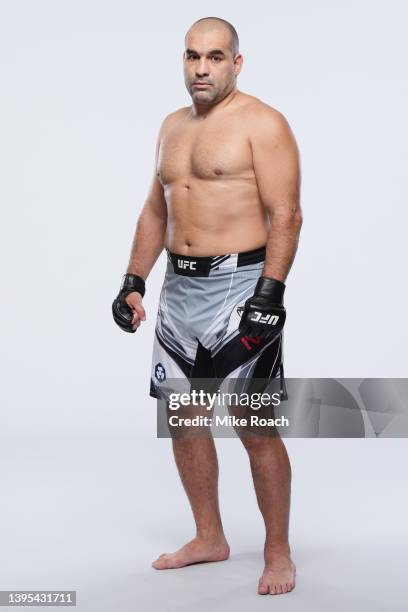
(274, 589)
(160, 563)
(167, 561)
(263, 588)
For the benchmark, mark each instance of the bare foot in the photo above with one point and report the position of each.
(278, 576)
(196, 551)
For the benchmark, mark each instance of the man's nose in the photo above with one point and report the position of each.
(202, 68)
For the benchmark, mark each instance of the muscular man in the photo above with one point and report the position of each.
(224, 203)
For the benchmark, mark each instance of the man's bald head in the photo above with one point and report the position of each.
(211, 60)
(211, 23)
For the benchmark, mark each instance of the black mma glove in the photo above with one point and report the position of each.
(264, 314)
(122, 313)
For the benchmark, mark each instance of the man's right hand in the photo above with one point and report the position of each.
(134, 300)
(127, 308)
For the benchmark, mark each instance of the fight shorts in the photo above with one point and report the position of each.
(197, 335)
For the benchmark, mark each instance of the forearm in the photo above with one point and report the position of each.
(147, 244)
(282, 244)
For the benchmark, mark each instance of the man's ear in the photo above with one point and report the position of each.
(238, 61)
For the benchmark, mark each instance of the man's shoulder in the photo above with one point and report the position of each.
(175, 116)
(260, 114)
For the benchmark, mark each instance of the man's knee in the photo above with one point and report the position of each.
(256, 435)
(189, 421)
(256, 443)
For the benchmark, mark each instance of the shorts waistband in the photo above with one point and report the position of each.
(188, 265)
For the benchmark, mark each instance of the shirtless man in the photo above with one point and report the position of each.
(224, 203)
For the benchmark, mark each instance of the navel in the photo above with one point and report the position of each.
(218, 171)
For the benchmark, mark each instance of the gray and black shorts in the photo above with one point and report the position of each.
(197, 335)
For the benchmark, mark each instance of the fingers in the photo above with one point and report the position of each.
(121, 318)
(138, 314)
(140, 311)
(245, 329)
(134, 301)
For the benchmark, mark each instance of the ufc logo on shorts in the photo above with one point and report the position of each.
(268, 319)
(184, 263)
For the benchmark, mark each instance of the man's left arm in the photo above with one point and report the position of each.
(277, 171)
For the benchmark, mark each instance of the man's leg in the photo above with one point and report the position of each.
(271, 473)
(196, 460)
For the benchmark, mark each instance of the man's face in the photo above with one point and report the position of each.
(208, 59)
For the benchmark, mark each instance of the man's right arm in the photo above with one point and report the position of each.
(148, 243)
(151, 226)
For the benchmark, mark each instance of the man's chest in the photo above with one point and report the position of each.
(206, 151)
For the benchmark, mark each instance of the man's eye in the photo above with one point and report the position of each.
(192, 57)
(216, 58)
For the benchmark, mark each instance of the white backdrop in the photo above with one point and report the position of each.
(85, 85)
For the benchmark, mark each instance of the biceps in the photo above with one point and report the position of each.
(277, 171)
(155, 201)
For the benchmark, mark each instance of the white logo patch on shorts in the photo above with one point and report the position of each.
(185, 263)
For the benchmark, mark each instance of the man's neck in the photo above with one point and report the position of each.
(202, 110)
